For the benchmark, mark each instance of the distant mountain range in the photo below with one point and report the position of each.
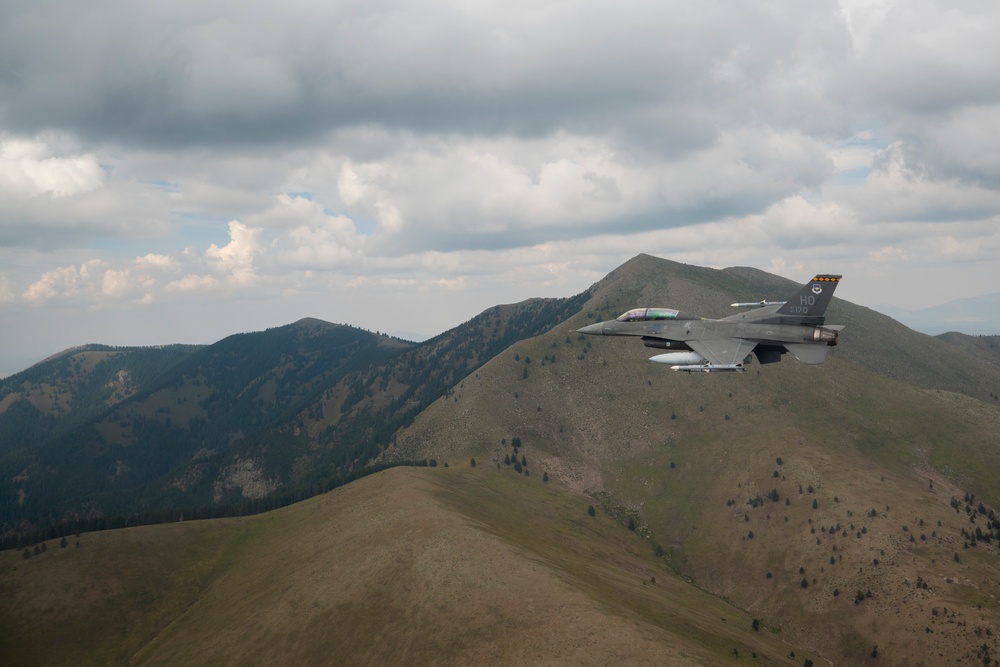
(846, 509)
(976, 316)
(100, 436)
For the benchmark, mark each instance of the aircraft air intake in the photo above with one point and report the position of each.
(662, 344)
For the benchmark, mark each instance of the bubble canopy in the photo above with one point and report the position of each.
(651, 314)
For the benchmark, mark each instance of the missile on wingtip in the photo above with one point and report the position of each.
(756, 304)
(710, 368)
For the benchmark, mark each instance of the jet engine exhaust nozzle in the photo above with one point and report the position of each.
(821, 335)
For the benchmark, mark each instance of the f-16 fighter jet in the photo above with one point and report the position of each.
(769, 331)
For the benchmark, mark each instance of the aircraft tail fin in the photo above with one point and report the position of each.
(809, 305)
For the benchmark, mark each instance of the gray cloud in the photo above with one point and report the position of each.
(215, 74)
(159, 156)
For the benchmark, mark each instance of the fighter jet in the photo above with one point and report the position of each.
(704, 345)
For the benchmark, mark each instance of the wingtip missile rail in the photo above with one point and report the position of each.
(756, 304)
(711, 368)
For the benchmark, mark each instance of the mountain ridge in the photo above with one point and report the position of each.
(451, 566)
(973, 316)
(785, 489)
(248, 423)
(843, 506)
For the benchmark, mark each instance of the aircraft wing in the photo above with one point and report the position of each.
(723, 351)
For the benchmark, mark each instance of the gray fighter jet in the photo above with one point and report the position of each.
(769, 331)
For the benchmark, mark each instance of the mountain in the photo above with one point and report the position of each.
(848, 503)
(984, 348)
(979, 315)
(74, 386)
(100, 437)
(847, 507)
(154, 435)
(412, 566)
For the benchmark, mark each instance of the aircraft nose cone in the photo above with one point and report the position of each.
(593, 329)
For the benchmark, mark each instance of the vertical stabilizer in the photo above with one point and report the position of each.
(809, 305)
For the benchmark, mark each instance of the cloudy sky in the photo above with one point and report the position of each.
(176, 172)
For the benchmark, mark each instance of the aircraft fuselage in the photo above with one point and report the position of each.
(688, 330)
(727, 344)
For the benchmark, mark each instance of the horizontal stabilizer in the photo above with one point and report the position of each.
(808, 354)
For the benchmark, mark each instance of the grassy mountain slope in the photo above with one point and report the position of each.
(882, 437)
(847, 506)
(358, 417)
(986, 348)
(443, 566)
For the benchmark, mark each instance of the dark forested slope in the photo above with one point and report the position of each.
(253, 421)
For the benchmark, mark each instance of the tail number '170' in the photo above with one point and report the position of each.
(806, 302)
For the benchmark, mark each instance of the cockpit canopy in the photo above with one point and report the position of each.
(650, 314)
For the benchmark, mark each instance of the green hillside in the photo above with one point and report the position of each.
(449, 566)
(986, 348)
(721, 472)
(848, 506)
